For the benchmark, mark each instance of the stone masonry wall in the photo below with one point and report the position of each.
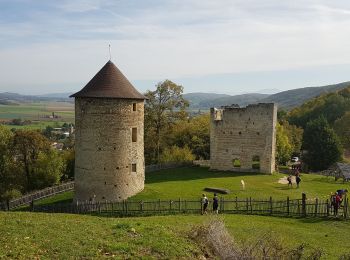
(105, 152)
(242, 134)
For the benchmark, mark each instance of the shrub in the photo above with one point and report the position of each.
(177, 154)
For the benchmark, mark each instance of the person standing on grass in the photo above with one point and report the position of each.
(289, 179)
(216, 204)
(298, 180)
(336, 204)
(205, 203)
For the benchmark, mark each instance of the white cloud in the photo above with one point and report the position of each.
(175, 39)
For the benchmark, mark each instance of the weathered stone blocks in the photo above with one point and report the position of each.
(109, 165)
(243, 139)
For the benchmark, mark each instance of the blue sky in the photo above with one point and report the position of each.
(222, 46)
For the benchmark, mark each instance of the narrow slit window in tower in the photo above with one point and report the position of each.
(133, 167)
(134, 134)
(133, 106)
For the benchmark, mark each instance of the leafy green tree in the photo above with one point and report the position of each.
(295, 137)
(47, 169)
(177, 154)
(194, 133)
(283, 147)
(9, 181)
(331, 106)
(342, 128)
(69, 159)
(27, 146)
(163, 108)
(321, 144)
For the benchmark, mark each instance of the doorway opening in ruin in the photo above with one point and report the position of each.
(236, 163)
(256, 162)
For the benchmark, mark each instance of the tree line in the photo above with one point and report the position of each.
(318, 131)
(28, 162)
(172, 134)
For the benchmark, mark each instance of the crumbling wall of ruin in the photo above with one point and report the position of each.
(243, 135)
(109, 164)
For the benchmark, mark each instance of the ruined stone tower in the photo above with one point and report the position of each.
(109, 146)
(243, 139)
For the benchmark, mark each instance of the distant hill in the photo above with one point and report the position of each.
(207, 100)
(12, 98)
(57, 95)
(292, 98)
(286, 99)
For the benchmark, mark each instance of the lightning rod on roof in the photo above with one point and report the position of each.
(110, 56)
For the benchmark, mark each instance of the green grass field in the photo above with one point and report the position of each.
(188, 183)
(64, 236)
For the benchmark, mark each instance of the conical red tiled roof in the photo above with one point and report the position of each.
(109, 82)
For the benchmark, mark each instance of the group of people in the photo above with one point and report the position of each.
(205, 204)
(337, 199)
(297, 178)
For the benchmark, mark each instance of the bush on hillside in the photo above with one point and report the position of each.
(177, 154)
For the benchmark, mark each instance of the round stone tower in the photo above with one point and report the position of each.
(109, 146)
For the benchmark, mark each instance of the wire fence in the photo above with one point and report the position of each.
(292, 208)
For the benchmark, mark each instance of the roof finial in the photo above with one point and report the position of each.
(110, 56)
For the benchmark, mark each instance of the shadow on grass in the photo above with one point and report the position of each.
(191, 173)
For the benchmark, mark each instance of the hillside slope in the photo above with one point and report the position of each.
(292, 98)
(67, 236)
(286, 99)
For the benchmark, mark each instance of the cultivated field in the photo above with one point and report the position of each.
(38, 113)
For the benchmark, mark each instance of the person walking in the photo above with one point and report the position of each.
(298, 180)
(289, 179)
(216, 204)
(336, 204)
(205, 203)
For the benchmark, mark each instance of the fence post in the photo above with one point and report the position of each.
(246, 205)
(250, 203)
(223, 205)
(288, 205)
(345, 207)
(271, 209)
(8, 204)
(141, 206)
(170, 205)
(303, 204)
(236, 203)
(327, 208)
(316, 207)
(179, 205)
(159, 206)
(32, 205)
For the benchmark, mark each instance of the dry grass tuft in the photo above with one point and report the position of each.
(216, 241)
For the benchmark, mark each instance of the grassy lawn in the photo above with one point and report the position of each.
(64, 236)
(188, 183)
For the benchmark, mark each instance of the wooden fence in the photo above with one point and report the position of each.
(37, 195)
(51, 191)
(294, 208)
